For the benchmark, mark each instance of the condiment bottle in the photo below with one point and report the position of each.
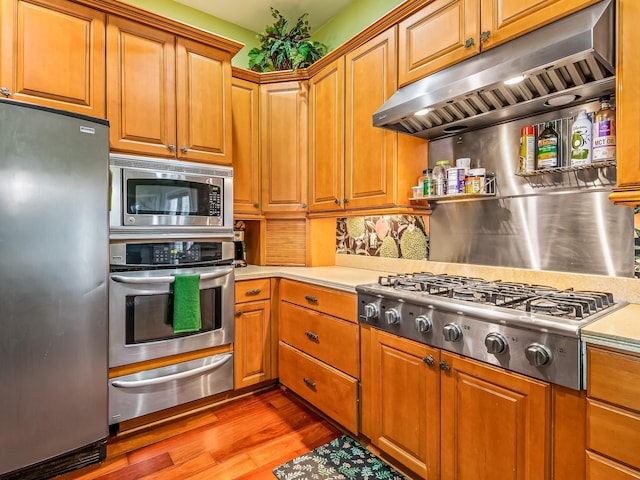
(604, 132)
(527, 159)
(428, 185)
(581, 139)
(548, 147)
(440, 177)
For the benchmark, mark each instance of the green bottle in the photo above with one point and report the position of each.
(548, 147)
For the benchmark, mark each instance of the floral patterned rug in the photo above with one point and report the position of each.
(340, 459)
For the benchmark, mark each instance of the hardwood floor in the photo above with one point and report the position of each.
(244, 439)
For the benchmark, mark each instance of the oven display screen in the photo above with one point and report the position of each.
(173, 197)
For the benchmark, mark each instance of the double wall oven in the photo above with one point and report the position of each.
(169, 221)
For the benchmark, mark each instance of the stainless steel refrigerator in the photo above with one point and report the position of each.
(54, 195)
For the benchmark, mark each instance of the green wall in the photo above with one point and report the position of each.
(348, 23)
(352, 20)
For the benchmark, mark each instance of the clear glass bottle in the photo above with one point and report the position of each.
(440, 177)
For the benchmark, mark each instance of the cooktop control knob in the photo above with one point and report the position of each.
(423, 324)
(370, 310)
(496, 343)
(452, 332)
(538, 355)
(392, 316)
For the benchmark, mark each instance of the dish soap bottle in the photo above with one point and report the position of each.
(604, 132)
(548, 147)
(581, 140)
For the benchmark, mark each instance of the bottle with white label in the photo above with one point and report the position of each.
(604, 132)
(581, 140)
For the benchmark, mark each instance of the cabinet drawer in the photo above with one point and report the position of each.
(330, 390)
(613, 377)
(326, 338)
(613, 432)
(324, 300)
(600, 468)
(250, 290)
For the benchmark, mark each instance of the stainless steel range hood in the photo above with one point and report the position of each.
(573, 56)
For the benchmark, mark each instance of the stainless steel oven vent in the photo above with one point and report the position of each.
(567, 62)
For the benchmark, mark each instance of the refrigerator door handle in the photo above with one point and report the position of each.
(168, 279)
(175, 376)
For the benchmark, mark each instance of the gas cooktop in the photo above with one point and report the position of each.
(530, 329)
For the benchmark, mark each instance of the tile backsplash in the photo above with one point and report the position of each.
(407, 236)
(391, 236)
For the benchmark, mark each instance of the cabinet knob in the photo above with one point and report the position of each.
(238, 313)
(256, 205)
(484, 36)
(444, 366)
(5, 91)
(336, 201)
(171, 147)
(429, 360)
(184, 149)
(469, 42)
(303, 205)
(345, 200)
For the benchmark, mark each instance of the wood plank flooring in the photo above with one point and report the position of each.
(242, 440)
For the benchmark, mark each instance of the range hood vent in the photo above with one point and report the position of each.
(568, 62)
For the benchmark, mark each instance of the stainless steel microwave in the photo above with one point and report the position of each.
(159, 197)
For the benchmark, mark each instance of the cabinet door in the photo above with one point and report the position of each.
(370, 79)
(245, 145)
(203, 93)
(503, 20)
(444, 32)
(628, 105)
(326, 138)
(141, 103)
(283, 130)
(53, 54)
(495, 424)
(252, 343)
(405, 401)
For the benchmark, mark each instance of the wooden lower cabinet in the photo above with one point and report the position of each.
(253, 333)
(495, 424)
(613, 414)
(319, 358)
(404, 388)
(446, 417)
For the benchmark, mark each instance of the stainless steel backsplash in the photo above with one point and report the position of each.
(559, 221)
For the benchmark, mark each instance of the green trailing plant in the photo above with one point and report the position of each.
(284, 49)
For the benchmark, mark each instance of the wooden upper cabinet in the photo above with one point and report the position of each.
(141, 93)
(53, 54)
(495, 424)
(245, 146)
(370, 79)
(283, 131)
(167, 96)
(445, 32)
(326, 138)
(627, 191)
(203, 93)
(504, 20)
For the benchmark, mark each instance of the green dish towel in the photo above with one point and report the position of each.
(186, 303)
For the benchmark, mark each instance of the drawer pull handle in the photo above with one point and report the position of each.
(311, 299)
(310, 383)
(312, 336)
(252, 292)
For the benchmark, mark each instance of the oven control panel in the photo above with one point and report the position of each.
(159, 254)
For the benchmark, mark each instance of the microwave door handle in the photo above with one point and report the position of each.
(174, 376)
(169, 278)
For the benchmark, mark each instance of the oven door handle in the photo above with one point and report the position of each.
(174, 376)
(168, 278)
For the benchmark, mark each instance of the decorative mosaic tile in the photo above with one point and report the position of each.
(393, 236)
